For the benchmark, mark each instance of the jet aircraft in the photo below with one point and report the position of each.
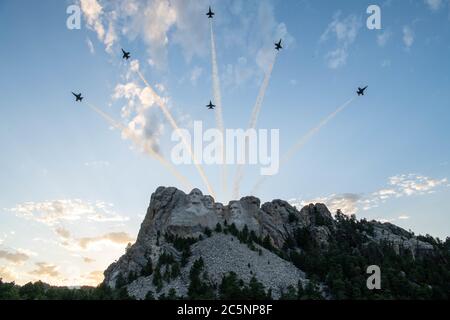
(278, 45)
(210, 14)
(126, 55)
(210, 105)
(360, 91)
(78, 97)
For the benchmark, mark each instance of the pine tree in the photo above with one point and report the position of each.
(147, 270)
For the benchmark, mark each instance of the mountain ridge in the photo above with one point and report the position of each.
(189, 238)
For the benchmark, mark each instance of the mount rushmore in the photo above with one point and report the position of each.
(271, 245)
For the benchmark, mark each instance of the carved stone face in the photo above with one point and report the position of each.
(235, 209)
(195, 196)
(218, 207)
(208, 202)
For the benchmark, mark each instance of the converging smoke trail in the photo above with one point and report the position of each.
(262, 94)
(303, 140)
(162, 104)
(252, 124)
(218, 101)
(148, 150)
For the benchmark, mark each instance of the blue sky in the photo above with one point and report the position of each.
(74, 191)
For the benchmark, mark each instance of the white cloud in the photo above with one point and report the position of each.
(112, 238)
(90, 46)
(344, 31)
(143, 125)
(153, 22)
(385, 220)
(412, 184)
(195, 75)
(7, 274)
(93, 12)
(62, 232)
(45, 271)
(434, 5)
(347, 202)
(160, 87)
(191, 29)
(55, 211)
(161, 23)
(88, 260)
(14, 257)
(337, 58)
(408, 36)
(97, 164)
(238, 73)
(405, 185)
(94, 278)
(386, 63)
(383, 38)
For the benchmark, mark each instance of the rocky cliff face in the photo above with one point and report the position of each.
(172, 214)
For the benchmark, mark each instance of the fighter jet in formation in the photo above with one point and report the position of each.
(78, 97)
(360, 91)
(126, 55)
(210, 14)
(278, 45)
(210, 106)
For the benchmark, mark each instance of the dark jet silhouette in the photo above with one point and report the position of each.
(78, 97)
(278, 45)
(210, 14)
(360, 91)
(126, 55)
(210, 105)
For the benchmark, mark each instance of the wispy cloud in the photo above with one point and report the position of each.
(347, 203)
(97, 164)
(94, 277)
(434, 5)
(383, 38)
(408, 37)
(142, 121)
(55, 211)
(88, 260)
(160, 24)
(115, 238)
(386, 63)
(195, 75)
(152, 21)
(93, 13)
(7, 274)
(90, 46)
(405, 185)
(62, 232)
(401, 186)
(344, 31)
(45, 270)
(14, 257)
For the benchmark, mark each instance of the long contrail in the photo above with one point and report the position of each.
(252, 124)
(303, 140)
(218, 101)
(162, 104)
(148, 150)
(262, 93)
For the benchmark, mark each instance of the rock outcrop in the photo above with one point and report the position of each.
(174, 214)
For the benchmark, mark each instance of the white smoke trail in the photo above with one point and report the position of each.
(162, 104)
(147, 149)
(252, 124)
(218, 101)
(262, 94)
(303, 140)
